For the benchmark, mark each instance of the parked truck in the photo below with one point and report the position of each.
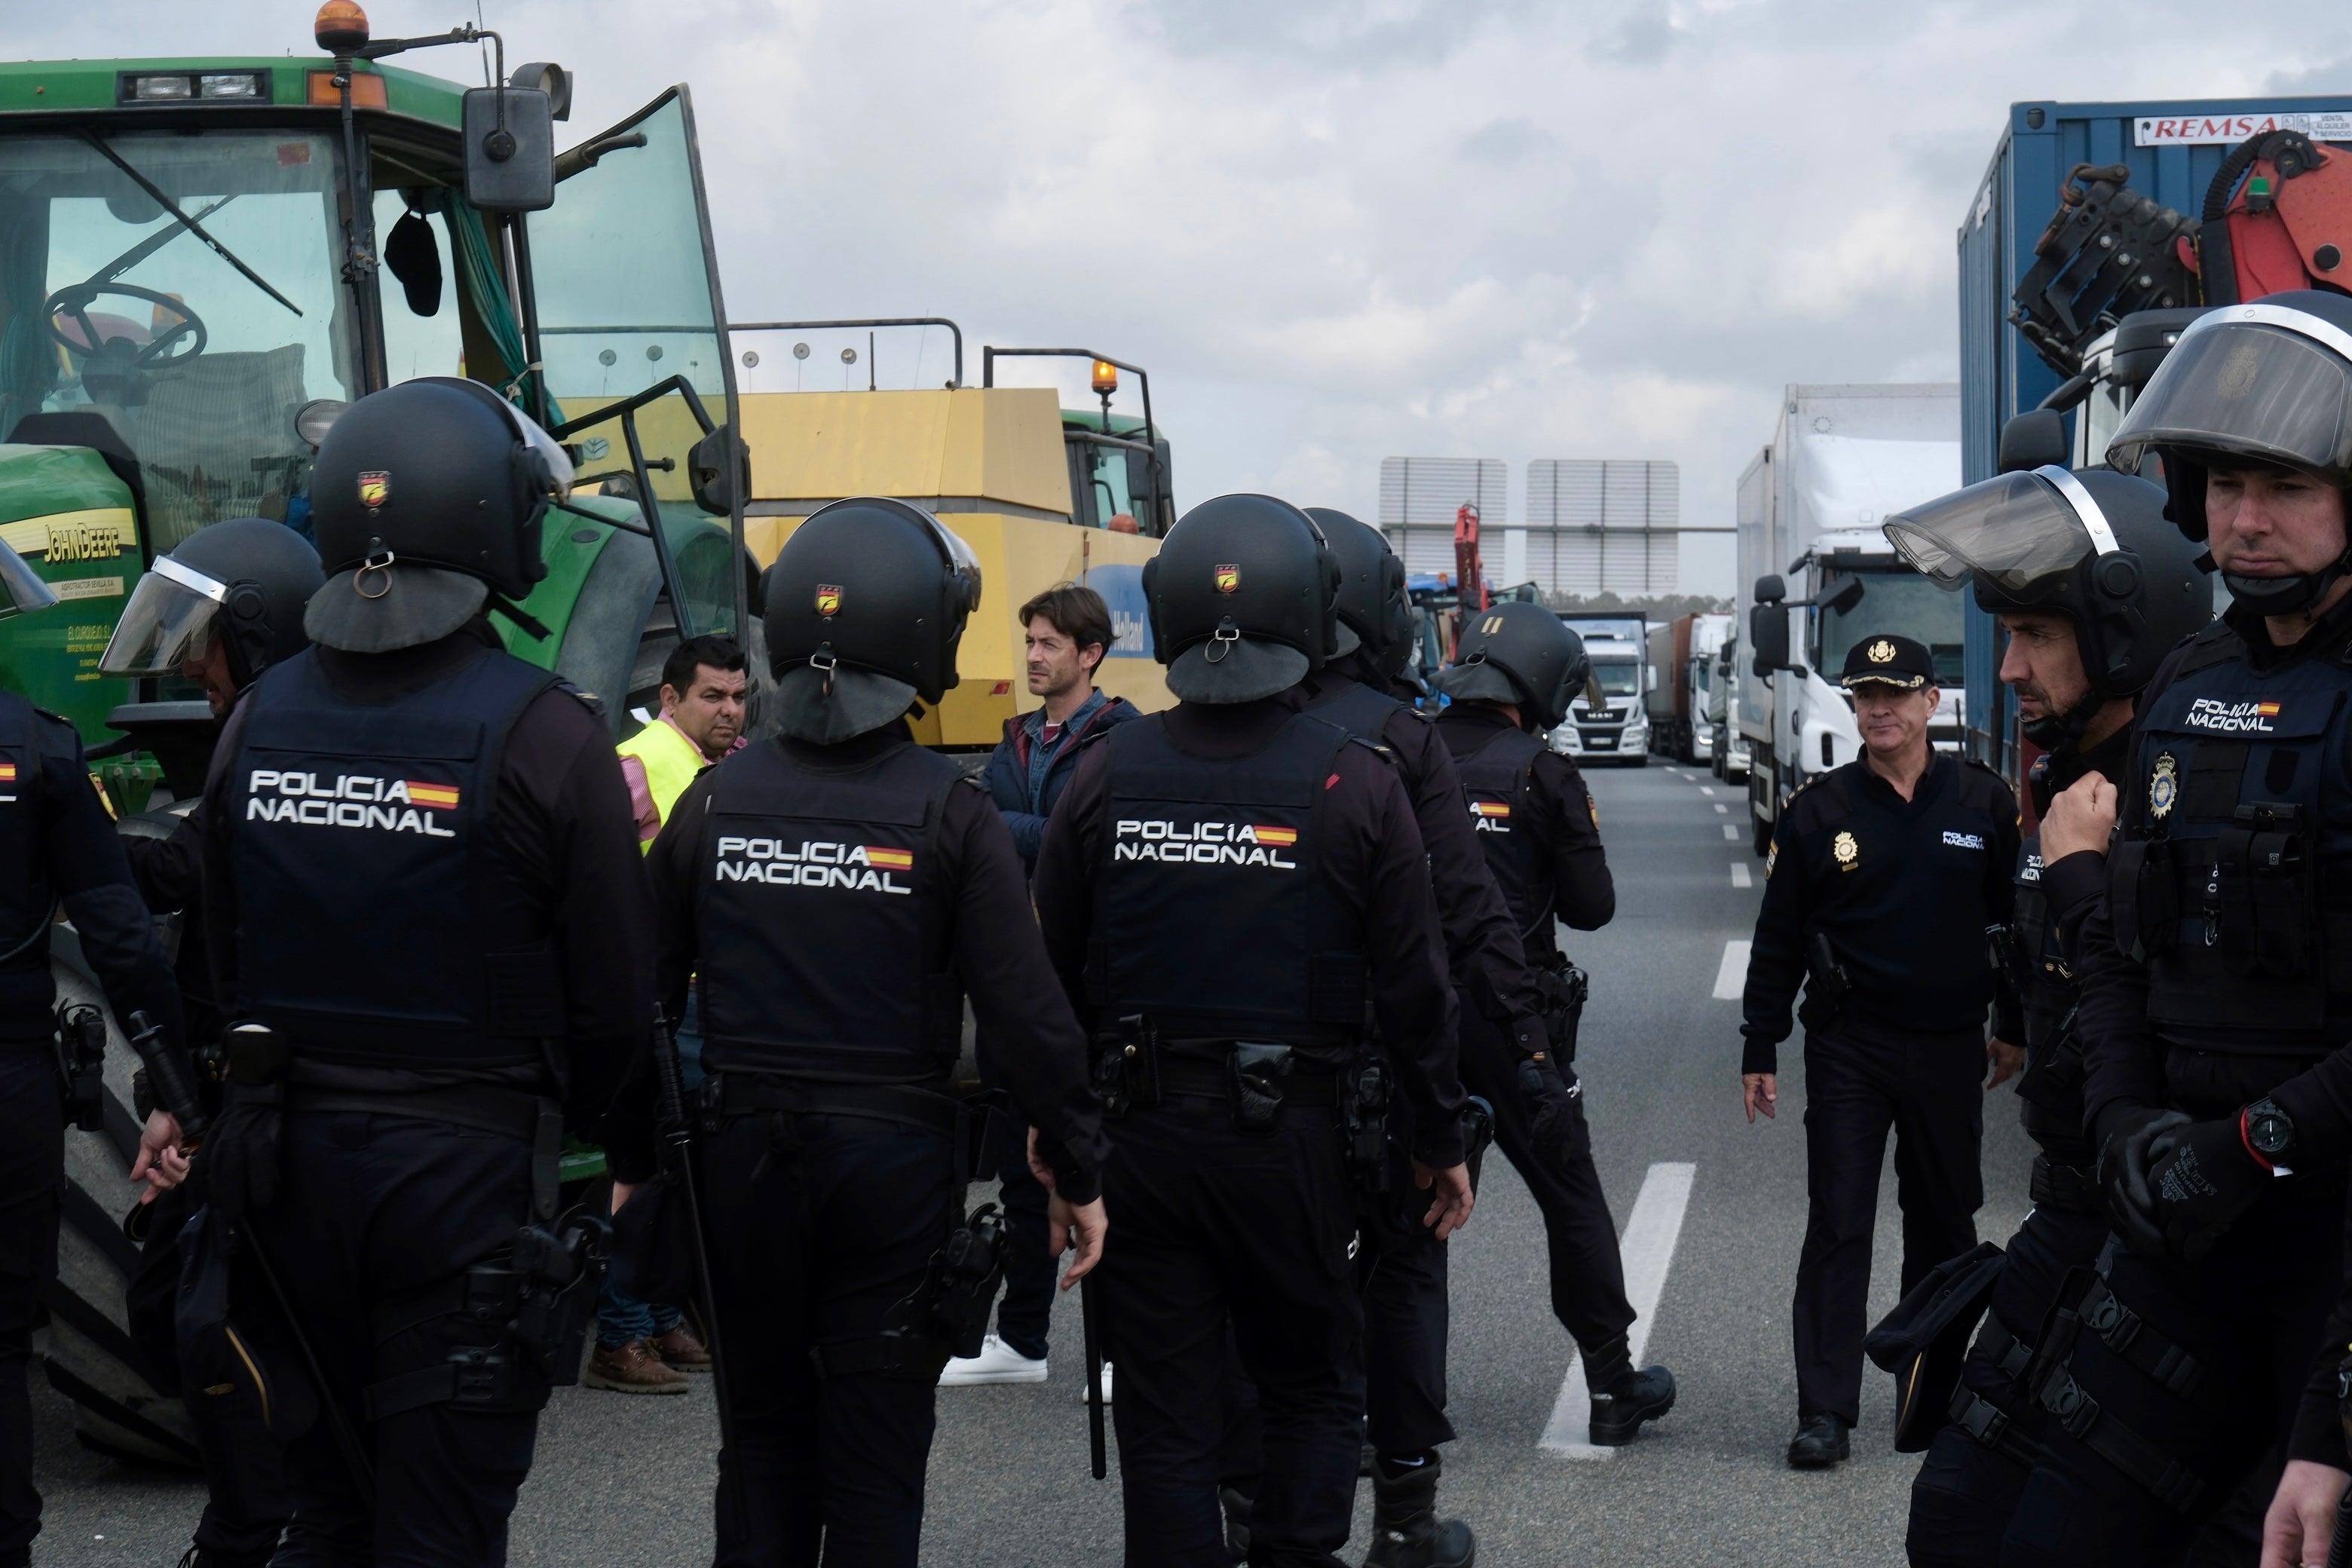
(1727, 755)
(1683, 652)
(1816, 573)
(1619, 729)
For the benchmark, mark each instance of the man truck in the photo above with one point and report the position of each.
(1618, 730)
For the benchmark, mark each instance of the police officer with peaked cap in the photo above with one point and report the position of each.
(1884, 876)
(220, 609)
(1533, 819)
(422, 879)
(839, 891)
(2092, 587)
(2217, 982)
(1223, 888)
(59, 849)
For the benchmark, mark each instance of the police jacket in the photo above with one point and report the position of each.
(170, 875)
(1027, 797)
(1287, 855)
(59, 848)
(1534, 820)
(1483, 947)
(485, 922)
(838, 903)
(1904, 891)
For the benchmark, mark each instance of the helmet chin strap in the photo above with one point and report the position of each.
(2290, 595)
(2065, 732)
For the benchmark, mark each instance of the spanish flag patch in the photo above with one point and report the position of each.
(443, 796)
(1280, 838)
(7, 772)
(889, 860)
(1491, 807)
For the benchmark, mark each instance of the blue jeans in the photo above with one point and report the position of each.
(621, 1317)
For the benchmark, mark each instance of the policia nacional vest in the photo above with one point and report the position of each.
(817, 906)
(2233, 878)
(1212, 918)
(24, 892)
(378, 925)
(1496, 778)
(1358, 710)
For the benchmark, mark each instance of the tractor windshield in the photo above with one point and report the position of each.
(108, 304)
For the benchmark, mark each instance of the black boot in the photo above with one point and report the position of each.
(1624, 1396)
(1406, 1530)
(1237, 1507)
(1820, 1442)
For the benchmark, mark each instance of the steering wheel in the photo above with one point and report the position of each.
(72, 304)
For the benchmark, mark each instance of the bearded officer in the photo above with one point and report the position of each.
(223, 608)
(1883, 878)
(59, 849)
(1223, 887)
(421, 872)
(839, 891)
(2215, 988)
(2092, 588)
(1514, 671)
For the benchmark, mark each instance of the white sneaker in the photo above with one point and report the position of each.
(996, 1363)
(1105, 1382)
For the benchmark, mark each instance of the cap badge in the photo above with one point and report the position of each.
(1844, 851)
(1881, 652)
(2163, 786)
(828, 599)
(375, 487)
(1228, 579)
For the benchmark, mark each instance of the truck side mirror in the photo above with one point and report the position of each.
(1770, 590)
(1768, 632)
(510, 149)
(705, 472)
(2035, 438)
(1650, 678)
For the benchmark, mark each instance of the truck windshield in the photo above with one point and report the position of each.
(111, 306)
(1901, 602)
(1618, 677)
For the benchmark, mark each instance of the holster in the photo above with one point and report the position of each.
(1126, 1067)
(81, 1066)
(1364, 1115)
(1826, 984)
(946, 1315)
(1562, 988)
(1261, 1073)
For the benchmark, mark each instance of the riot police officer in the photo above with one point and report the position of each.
(2213, 983)
(1534, 821)
(221, 609)
(2092, 588)
(420, 874)
(57, 850)
(839, 891)
(1224, 886)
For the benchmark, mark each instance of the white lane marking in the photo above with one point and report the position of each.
(1721, 809)
(1648, 1249)
(1739, 878)
(1731, 833)
(1731, 974)
(1707, 789)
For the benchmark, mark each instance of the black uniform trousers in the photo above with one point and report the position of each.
(1860, 1084)
(1588, 1276)
(1401, 1269)
(373, 1211)
(1031, 1271)
(818, 1225)
(2252, 1312)
(1217, 1227)
(32, 1170)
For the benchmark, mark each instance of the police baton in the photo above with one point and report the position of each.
(1094, 1379)
(677, 1134)
(339, 1420)
(172, 1087)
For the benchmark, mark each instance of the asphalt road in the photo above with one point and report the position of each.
(623, 1481)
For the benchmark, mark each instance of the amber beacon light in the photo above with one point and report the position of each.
(342, 27)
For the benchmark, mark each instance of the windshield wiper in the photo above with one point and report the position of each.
(150, 245)
(169, 206)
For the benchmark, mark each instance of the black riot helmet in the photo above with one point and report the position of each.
(2093, 546)
(426, 498)
(1243, 596)
(1521, 654)
(243, 581)
(2268, 383)
(865, 603)
(1375, 615)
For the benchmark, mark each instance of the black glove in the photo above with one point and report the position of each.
(2204, 1178)
(237, 1164)
(1555, 1119)
(2125, 1133)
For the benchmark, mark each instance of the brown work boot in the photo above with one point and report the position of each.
(632, 1368)
(680, 1350)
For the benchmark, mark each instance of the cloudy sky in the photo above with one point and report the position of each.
(1336, 230)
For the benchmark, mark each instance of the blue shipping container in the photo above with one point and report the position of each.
(2174, 150)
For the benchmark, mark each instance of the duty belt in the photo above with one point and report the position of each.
(743, 1094)
(1994, 1427)
(1197, 1075)
(534, 1119)
(2071, 1188)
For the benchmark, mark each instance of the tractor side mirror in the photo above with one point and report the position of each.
(509, 148)
(714, 489)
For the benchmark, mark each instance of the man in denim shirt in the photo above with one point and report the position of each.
(1068, 633)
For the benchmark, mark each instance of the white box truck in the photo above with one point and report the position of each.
(1816, 574)
(1619, 729)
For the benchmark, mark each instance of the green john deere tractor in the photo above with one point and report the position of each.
(202, 261)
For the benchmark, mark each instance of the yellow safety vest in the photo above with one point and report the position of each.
(670, 762)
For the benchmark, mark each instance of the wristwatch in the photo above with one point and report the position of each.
(2269, 1134)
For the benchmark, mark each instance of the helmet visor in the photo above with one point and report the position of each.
(2011, 530)
(168, 621)
(2263, 382)
(21, 589)
(559, 461)
(962, 559)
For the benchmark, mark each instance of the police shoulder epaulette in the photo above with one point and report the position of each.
(588, 699)
(1386, 753)
(53, 716)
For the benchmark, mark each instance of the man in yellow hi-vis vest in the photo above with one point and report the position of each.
(646, 1347)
